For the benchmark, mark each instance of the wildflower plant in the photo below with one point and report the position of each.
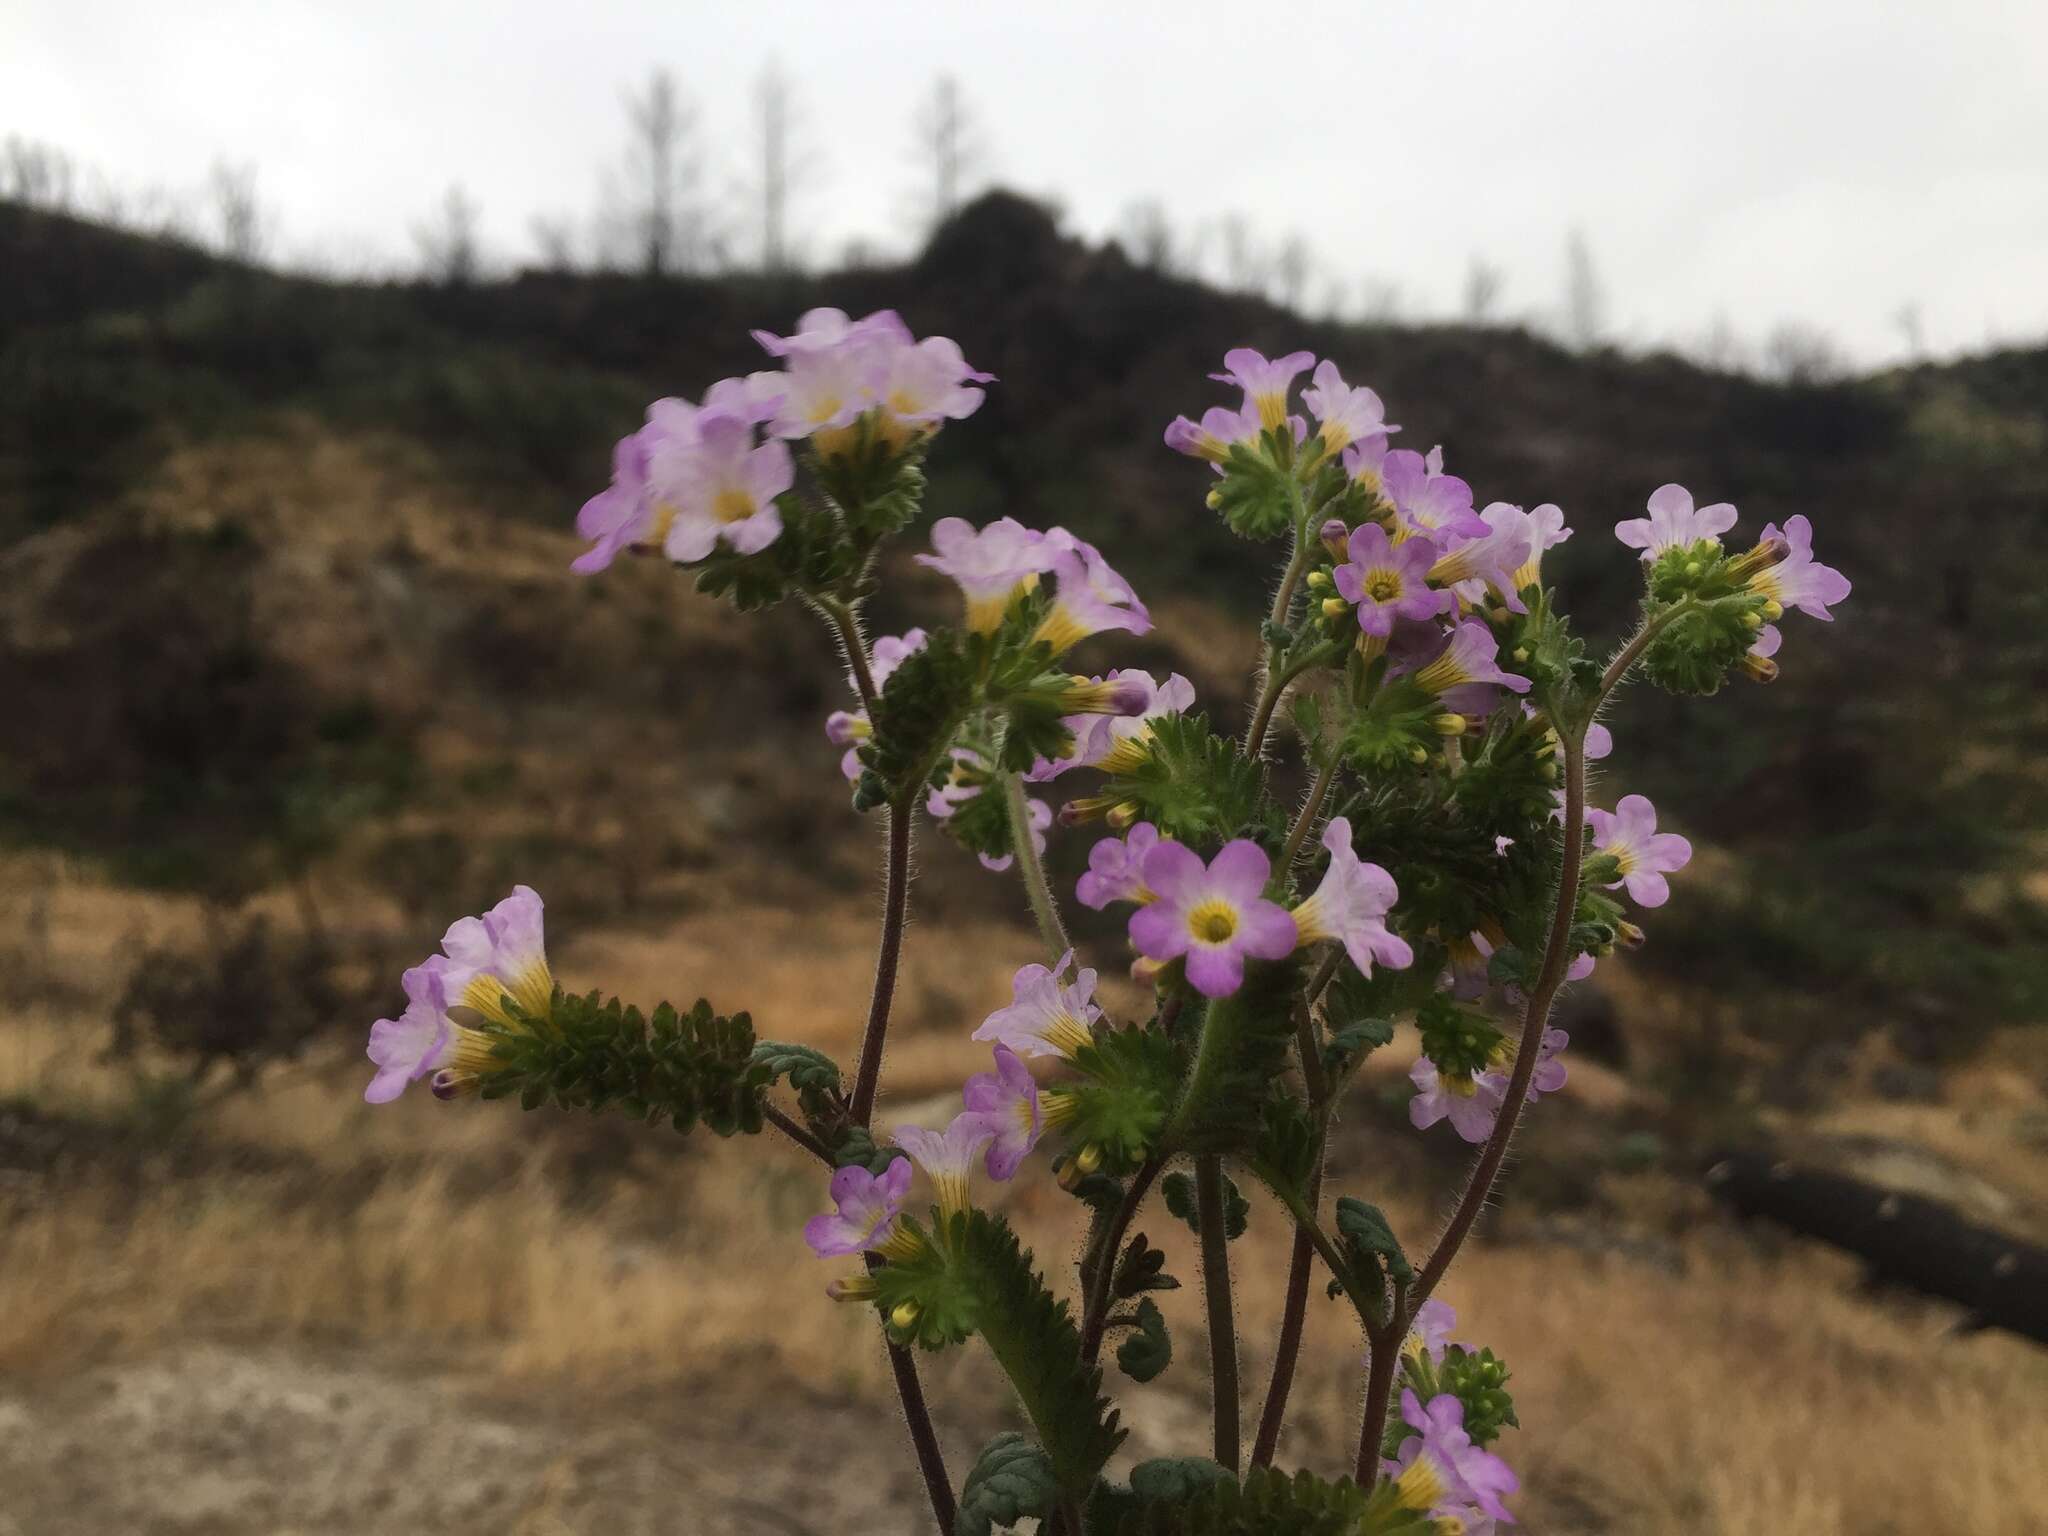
(1444, 868)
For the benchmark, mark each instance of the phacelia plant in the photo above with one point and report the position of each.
(1444, 868)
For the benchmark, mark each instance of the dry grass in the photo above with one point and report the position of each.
(1737, 1391)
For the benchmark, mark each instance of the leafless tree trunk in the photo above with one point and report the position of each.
(244, 229)
(1585, 301)
(448, 244)
(948, 148)
(785, 165)
(658, 217)
(1483, 283)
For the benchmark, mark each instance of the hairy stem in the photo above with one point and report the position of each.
(1216, 1295)
(845, 625)
(1045, 906)
(918, 1420)
(788, 1125)
(1293, 1315)
(1276, 685)
(895, 908)
(1095, 1315)
(1384, 1356)
(1317, 793)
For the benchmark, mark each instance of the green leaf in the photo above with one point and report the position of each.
(1012, 1478)
(1284, 1151)
(804, 1066)
(1479, 1381)
(1179, 1190)
(1148, 1350)
(1195, 787)
(857, 1148)
(1177, 1479)
(1119, 1103)
(1373, 1251)
(1267, 1503)
(1142, 1268)
(920, 708)
(1255, 496)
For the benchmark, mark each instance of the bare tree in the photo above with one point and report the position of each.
(1292, 268)
(1483, 283)
(554, 241)
(1379, 300)
(1244, 265)
(244, 227)
(1147, 237)
(949, 150)
(38, 175)
(783, 164)
(450, 253)
(1336, 294)
(1722, 346)
(1912, 328)
(1585, 300)
(1798, 353)
(654, 220)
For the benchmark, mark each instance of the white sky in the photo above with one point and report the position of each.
(1827, 161)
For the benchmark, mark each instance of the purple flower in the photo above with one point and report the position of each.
(1547, 522)
(723, 488)
(1389, 581)
(1472, 565)
(1213, 436)
(835, 370)
(1673, 523)
(845, 727)
(868, 1215)
(1463, 672)
(1005, 1103)
(1040, 815)
(1460, 1471)
(994, 565)
(484, 961)
(820, 331)
(947, 1157)
(1351, 906)
(1471, 1103)
(1365, 462)
(1799, 581)
(1428, 502)
(1116, 868)
(928, 384)
(621, 516)
(1215, 915)
(1265, 382)
(1046, 1016)
(1344, 414)
(1630, 837)
(1091, 597)
(1599, 742)
(1121, 742)
(1430, 1332)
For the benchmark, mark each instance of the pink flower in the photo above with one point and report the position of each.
(1091, 596)
(1344, 414)
(621, 516)
(1441, 1460)
(1365, 462)
(1005, 1104)
(868, 1211)
(1427, 501)
(1388, 581)
(1430, 1333)
(929, 384)
(1491, 560)
(1351, 906)
(947, 1157)
(1547, 521)
(1215, 915)
(1213, 436)
(1116, 868)
(1265, 382)
(1673, 523)
(1630, 837)
(994, 565)
(722, 487)
(1799, 581)
(1463, 671)
(1121, 742)
(1046, 1016)
(1470, 1103)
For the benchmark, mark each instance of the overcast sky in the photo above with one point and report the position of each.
(1828, 161)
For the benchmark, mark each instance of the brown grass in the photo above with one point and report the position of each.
(1738, 1389)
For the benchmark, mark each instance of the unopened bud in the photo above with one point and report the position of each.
(906, 1314)
(1548, 772)
(1215, 500)
(1318, 579)
(852, 1288)
(1449, 725)
(1629, 936)
(1417, 756)
(1750, 562)
(1333, 607)
(1759, 669)
(1693, 567)
(1773, 611)
(1335, 536)
(1521, 653)
(1123, 814)
(1752, 620)
(1089, 1158)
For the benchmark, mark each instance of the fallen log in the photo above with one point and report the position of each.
(1910, 1241)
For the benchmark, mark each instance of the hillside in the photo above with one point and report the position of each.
(335, 518)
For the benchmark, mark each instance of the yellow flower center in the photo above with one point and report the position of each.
(1383, 586)
(1213, 922)
(732, 506)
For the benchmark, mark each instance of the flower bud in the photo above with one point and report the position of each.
(1121, 816)
(1215, 500)
(1333, 607)
(852, 1288)
(1335, 536)
(1753, 562)
(1449, 725)
(1759, 669)
(1318, 580)
(1629, 936)
(1088, 1159)
(1773, 611)
(906, 1315)
(1418, 756)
